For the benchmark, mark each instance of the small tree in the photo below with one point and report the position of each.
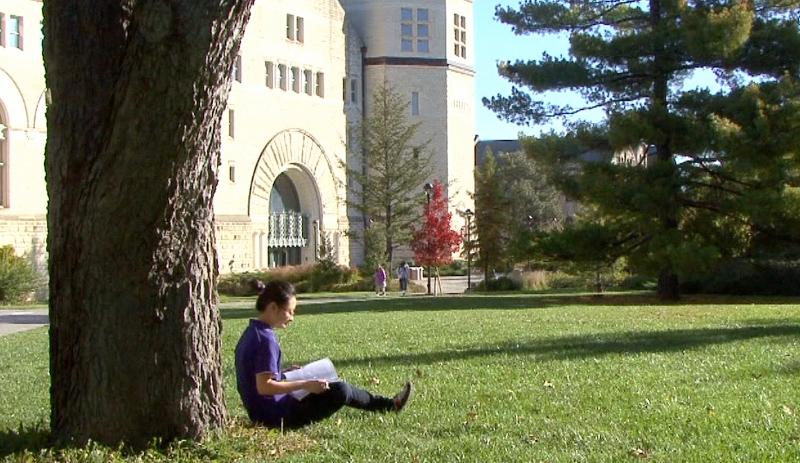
(435, 243)
(385, 187)
(491, 217)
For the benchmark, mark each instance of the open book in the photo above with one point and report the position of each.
(319, 369)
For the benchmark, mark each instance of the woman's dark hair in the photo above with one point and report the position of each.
(277, 291)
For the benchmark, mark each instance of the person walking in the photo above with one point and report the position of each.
(403, 272)
(263, 387)
(380, 281)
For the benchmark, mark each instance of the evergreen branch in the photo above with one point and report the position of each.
(712, 186)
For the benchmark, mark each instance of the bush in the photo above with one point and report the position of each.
(322, 276)
(454, 268)
(747, 276)
(18, 278)
(240, 284)
(326, 275)
(499, 284)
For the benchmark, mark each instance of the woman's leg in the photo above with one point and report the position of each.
(316, 407)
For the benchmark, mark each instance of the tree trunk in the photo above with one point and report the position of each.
(668, 214)
(137, 93)
(668, 287)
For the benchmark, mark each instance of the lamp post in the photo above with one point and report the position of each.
(428, 189)
(315, 225)
(468, 214)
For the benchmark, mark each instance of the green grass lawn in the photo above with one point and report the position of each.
(515, 378)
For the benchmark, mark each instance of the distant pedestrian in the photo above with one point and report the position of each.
(380, 281)
(403, 272)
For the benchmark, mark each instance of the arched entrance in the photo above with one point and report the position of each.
(286, 206)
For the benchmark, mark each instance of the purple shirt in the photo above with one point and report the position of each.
(258, 351)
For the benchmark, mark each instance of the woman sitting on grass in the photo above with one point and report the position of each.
(262, 385)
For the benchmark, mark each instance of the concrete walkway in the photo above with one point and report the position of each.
(13, 321)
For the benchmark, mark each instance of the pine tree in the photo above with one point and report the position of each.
(387, 191)
(435, 241)
(713, 171)
(491, 217)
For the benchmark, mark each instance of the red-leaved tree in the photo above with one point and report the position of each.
(435, 243)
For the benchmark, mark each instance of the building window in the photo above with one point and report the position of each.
(307, 81)
(296, 79)
(354, 91)
(231, 130)
(344, 89)
(270, 71)
(282, 80)
(295, 28)
(460, 35)
(299, 29)
(15, 31)
(237, 68)
(231, 172)
(320, 84)
(2, 30)
(290, 26)
(415, 103)
(414, 32)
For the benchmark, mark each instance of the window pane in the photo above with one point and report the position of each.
(296, 79)
(406, 45)
(320, 89)
(456, 35)
(455, 19)
(464, 22)
(307, 81)
(463, 36)
(422, 30)
(415, 103)
(290, 27)
(422, 14)
(422, 46)
(406, 30)
(300, 30)
(463, 52)
(270, 79)
(405, 14)
(282, 76)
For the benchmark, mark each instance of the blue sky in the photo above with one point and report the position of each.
(494, 41)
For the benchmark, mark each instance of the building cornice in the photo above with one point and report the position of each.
(416, 61)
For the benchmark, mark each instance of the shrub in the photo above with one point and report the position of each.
(536, 280)
(499, 284)
(326, 275)
(747, 276)
(455, 268)
(18, 278)
(239, 284)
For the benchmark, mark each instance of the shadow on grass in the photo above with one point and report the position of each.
(28, 438)
(503, 302)
(579, 347)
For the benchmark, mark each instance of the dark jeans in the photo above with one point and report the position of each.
(403, 284)
(316, 407)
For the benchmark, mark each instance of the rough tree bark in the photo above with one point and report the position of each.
(137, 90)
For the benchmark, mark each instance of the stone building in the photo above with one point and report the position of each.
(303, 78)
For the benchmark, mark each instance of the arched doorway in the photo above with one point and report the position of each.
(294, 198)
(288, 226)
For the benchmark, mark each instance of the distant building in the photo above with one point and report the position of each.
(302, 81)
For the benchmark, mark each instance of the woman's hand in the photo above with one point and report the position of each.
(316, 386)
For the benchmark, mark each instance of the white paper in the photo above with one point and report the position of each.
(319, 369)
